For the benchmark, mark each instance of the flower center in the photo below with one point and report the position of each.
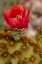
(18, 16)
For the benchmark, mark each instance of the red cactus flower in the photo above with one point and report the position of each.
(17, 17)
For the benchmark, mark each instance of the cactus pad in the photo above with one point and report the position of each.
(23, 51)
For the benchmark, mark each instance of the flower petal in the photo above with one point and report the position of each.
(15, 10)
(23, 23)
(6, 14)
(28, 13)
(23, 10)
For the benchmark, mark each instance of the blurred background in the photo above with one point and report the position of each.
(36, 12)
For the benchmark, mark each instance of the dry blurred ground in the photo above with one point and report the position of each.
(36, 13)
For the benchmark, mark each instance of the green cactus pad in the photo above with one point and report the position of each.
(23, 51)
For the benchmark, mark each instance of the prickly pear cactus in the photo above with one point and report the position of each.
(23, 51)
